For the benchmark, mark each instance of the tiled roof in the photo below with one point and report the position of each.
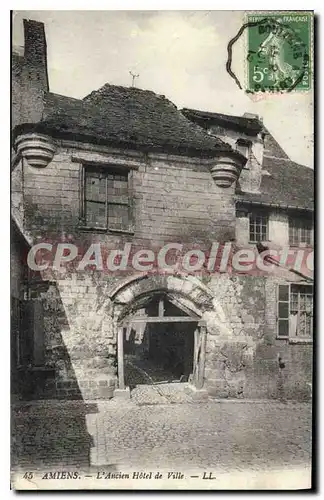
(284, 182)
(289, 185)
(239, 123)
(130, 117)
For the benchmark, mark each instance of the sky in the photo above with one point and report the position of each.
(180, 54)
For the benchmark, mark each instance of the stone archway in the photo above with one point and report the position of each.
(188, 287)
(187, 293)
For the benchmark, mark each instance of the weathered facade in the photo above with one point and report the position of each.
(125, 166)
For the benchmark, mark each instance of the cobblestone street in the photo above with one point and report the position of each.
(218, 435)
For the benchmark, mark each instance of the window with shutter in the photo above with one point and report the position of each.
(295, 311)
(283, 311)
(301, 311)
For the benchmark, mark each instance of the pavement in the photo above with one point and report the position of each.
(222, 435)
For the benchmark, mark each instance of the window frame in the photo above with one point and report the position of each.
(246, 144)
(292, 219)
(106, 169)
(262, 214)
(292, 338)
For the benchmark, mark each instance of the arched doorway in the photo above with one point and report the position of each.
(162, 341)
(161, 317)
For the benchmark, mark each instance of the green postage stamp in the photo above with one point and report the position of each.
(279, 53)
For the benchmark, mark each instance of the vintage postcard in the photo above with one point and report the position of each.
(162, 234)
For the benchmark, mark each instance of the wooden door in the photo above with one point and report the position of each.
(199, 356)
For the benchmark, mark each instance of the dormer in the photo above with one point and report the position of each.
(244, 147)
(244, 133)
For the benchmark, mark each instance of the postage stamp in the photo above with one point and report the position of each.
(279, 51)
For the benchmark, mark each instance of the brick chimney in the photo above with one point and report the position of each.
(36, 51)
(33, 77)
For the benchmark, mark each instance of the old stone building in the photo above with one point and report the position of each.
(124, 166)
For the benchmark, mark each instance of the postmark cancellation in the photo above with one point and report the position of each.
(279, 48)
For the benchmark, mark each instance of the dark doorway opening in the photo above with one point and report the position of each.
(162, 353)
(160, 349)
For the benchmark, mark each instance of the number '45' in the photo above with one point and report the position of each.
(28, 475)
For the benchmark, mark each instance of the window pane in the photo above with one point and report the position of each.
(243, 147)
(300, 230)
(309, 303)
(95, 214)
(305, 289)
(283, 292)
(118, 217)
(283, 310)
(95, 186)
(258, 226)
(302, 325)
(283, 328)
(243, 150)
(118, 189)
(309, 326)
(302, 302)
(113, 198)
(294, 301)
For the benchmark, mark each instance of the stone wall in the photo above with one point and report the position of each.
(242, 352)
(245, 358)
(175, 199)
(77, 347)
(230, 347)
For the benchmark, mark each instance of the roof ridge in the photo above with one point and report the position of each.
(220, 114)
(252, 124)
(107, 86)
